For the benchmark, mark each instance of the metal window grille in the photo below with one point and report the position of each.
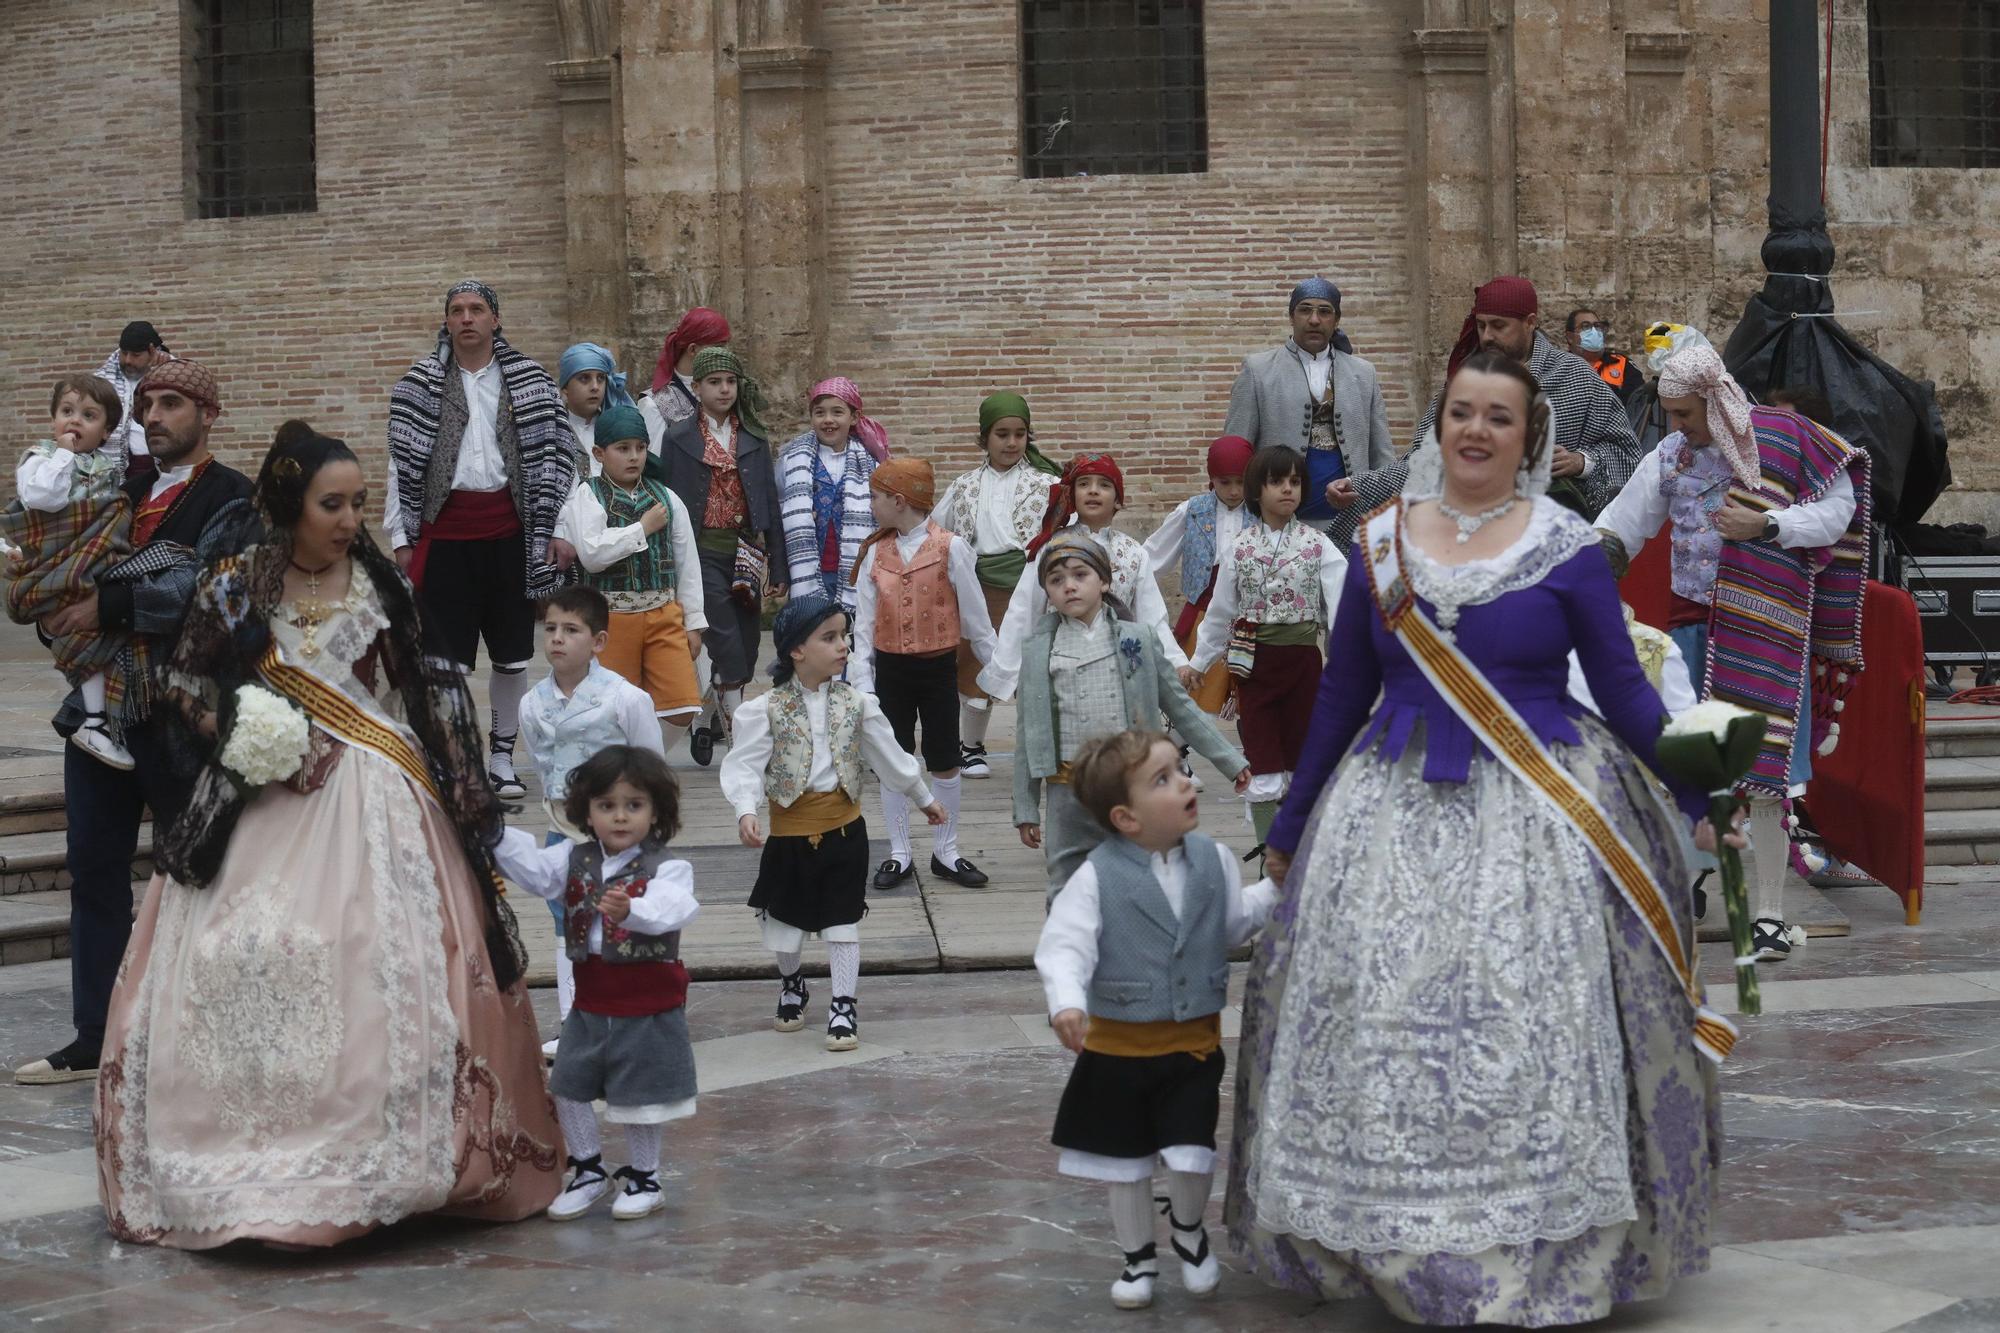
(1112, 87)
(1934, 83)
(253, 107)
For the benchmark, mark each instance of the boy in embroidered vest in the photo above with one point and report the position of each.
(1089, 497)
(1194, 536)
(1134, 959)
(823, 491)
(1275, 591)
(1087, 673)
(1769, 518)
(625, 903)
(917, 602)
(801, 745)
(637, 546)
(576, 710)
(998, 508)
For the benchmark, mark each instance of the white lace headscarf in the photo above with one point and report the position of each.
(1696, 371)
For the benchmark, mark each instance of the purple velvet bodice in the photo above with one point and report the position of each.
(1372, 694)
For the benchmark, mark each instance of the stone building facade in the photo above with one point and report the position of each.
(844, 179)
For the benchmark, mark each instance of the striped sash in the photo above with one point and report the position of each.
(331, 709)
(1503, 732)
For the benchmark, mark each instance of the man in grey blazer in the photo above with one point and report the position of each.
(1314, 395)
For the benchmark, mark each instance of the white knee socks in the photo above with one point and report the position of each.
(1187, 1193)
(973, 719)
(1770, 855)
(944, 837)
(788, 964)
(92, 690)
(729, 701)
(843, 960)
(579, 1127)
(565, 981)
(508, 686)
(896, 813)
(642, 1143)
(1132, 1214)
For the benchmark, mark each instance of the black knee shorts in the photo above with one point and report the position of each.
(921, 689)
(474, 590)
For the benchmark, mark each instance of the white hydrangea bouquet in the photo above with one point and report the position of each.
(1713, 746)
(267, 740)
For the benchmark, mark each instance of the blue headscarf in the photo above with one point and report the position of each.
(794, 624)
(1317, 288)
(589, 356)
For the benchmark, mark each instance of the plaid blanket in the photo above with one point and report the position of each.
(62, 556)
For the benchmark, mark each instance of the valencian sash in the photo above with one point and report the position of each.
(331, 710)
(1503, 732)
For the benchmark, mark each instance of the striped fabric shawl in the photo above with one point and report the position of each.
(541, 428)
(1777, 610)
(795, 511)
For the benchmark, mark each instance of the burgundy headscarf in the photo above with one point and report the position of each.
(1062, 495)
(1229, 456)
(699, 327)
(1511, 297)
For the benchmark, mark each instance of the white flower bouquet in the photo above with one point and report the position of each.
(1712, 746)
(267, 738)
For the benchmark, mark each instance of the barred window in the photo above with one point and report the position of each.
(1112, 87)
(251, 90)
(1934, 83)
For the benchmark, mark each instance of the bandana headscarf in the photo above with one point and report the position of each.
(909, 478)
(1513, 298)
(997, 407)
(613, 424)
(140, 336)
(749, 397)
(189, 378)
(578, 357)
(1315, 289)
(486, 294)
(1073, 544)
(1229, 456)
(1062, 495)
(794, 624)
(1664, 339)
(866, 428)
(1696, 371)
(698, 327)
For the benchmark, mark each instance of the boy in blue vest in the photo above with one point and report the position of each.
(1134, 959)
(1195, 535)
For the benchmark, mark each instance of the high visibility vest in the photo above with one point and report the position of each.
(1612, 370)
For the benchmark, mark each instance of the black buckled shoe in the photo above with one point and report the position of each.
(843, 1024)
(893, 873)
(961, 872)
(701, 744)
(792, 997)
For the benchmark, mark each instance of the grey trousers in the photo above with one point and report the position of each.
(1069, 833)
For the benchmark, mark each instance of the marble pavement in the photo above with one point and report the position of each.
(909, 1185)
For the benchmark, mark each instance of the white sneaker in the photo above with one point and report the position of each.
(972, 762)
(500, 768)
(95, 741)
(642, 1196)
(1134, 1288)
(587, 1184)
(1200, 1273)
(549, 1050)
(1771, 940)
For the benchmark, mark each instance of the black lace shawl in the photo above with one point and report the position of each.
(225, 635)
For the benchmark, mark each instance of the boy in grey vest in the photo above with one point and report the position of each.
(1134, 958)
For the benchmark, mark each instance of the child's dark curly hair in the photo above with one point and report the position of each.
(625, 763)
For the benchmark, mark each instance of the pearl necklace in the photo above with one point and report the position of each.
(1471, 523)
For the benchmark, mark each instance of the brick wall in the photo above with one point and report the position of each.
(438, 151)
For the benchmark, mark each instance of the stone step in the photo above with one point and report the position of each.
(1962, 783)
(1962, 837)
(31, 805)
(1962, 737)
(34, 927)
(36, 862)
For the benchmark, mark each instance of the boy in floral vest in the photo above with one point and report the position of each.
(801, 746)
(1195, 535)
(917, 600)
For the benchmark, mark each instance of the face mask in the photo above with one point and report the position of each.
(1591, 340)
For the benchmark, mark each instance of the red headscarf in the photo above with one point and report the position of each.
(1512, 297)
(1229, 456)
(699, 327)
(1062, 495)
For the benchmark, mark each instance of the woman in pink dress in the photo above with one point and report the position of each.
(320, 1025)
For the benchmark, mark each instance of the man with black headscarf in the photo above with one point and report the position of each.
(1314, 395)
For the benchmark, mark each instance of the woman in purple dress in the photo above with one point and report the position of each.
(1468, 1081)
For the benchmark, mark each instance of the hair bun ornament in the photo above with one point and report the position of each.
(287, 469)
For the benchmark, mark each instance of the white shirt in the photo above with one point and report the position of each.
(1030, 602)
(1066, 955)
(1213, 637)
(834, 461)
(562, 730)
(1163, 548)
(1639, 511)
(668, 904)
(1676, 692)
(993, 526)
(975, 627)
(585, 430)
(724, 431)
(480, 467)
(43, 480)
(168, 478)
(1318, 368)
(582, 523)
(743, 768)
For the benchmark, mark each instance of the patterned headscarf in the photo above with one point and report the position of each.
(794, 624)
(1229, 456)
(749, 397)
(579, 357)
(1073, 544)
(997, 407)
(1062, 495)
(189, 378)
(613, 424)
(866, 428)
(486, 294)
(698, 327)
(1696, 371)
(1512, 297)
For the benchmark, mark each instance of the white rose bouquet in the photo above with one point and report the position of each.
(267, 738)
(1712, 746)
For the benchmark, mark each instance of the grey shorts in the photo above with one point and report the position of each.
(643, 1068)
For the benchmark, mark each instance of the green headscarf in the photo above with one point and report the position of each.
(749, 397)
(998, 407)
(617, 423)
